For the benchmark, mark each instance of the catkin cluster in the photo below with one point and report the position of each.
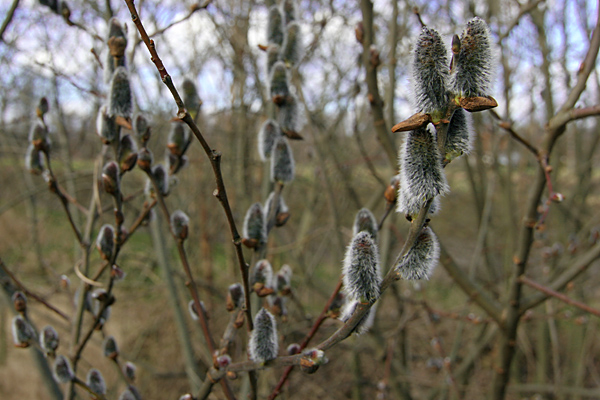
(440, 87)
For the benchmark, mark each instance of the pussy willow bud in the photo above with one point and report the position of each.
(273, 55)
(282, 212)
(179, 138)
(127, 394)
(235, 297)
(422, 257)
(291, 117)
(192, 309)
(129, 370)
(430, 73)
(365, 222)
(176, 163)
(19, 302)
(42, 108)
(278, 306)
(278, 83)
(179, 224)
(117, 42)
(145, 159)
(99, 297)
(312, 359)
(222, 361)
(283, 280)
(362, 276)
(262, 274)
(290, 11)
(95, 382)
(191, 99)
(142, 129)
(255, 226)
(292, 349)
(421, 173)
(162, 180)
(62, 371)
(292, 45)
(268, 133)
(38, 136)
(263, 344)
(49, 340)
(391, 192)
(105, 242)
(275, 26)
(111, 179)
(110, 348)
(106, 127)
(459, 138)
(474, 65)
(119, 96)
(51, 4)
(128, 153)
(282, 162)
(34, 160)
(23, 332)
(365, 323)
(187, 397)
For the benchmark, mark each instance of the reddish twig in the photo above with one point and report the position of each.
(559, 296)
(29, 293)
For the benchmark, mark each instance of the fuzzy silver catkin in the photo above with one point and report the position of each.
(179, 224)
(141, 128)
(365, 323)
(23, 332)
(422, 258)
(119, 96)
(34, 160)
(128, 152)
(474, 64)
(291, 116)
(290, 11)
(263, 345)
(459, 137)
(262, 273)
(191, 99)
(278, 82)
(49, 340)
(95, 381)
(62, 371)
(275, 30)
(109, 347)
(292, 45)
(162, 180)
(365, 221)
(179, 138)
(283, 278)
(282, 161)
(236, 293)
(255, 226)
(267, 135)
(273, 55)
(106, 127)
(430, 72)
(105, 242)
(362, 275)
(129, 370)
(281, 207)
(421, 174)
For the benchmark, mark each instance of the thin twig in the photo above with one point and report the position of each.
(9, 16)
(29, 293)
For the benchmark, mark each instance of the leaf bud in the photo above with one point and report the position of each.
(292, 349)
(19, 302)
(261, 278)
(311, 360)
